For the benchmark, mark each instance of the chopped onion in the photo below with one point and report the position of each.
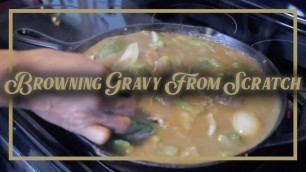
(92, 57)
(167, 150)
(190, 151)
(154, 37)
(128, 58)
(212, 124)
(245, 123)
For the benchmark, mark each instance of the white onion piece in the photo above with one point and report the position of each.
(154, 37)
(212, 124)
(128, 58)
(92, 57)
(246, 124)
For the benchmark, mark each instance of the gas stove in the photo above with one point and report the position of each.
(271, 34)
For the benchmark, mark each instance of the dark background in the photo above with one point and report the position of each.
(270, 34)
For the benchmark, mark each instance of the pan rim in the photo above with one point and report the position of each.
(283, 97)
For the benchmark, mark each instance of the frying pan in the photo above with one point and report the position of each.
(30, 38)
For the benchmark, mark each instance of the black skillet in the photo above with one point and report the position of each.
(28, 37)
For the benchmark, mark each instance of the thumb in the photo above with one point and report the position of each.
(96, 133)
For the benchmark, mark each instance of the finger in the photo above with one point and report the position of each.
(118, 123)
(84, 64)
(122, 106)
(51, 61)
(96, 133)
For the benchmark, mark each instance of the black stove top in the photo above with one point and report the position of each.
(270, 34)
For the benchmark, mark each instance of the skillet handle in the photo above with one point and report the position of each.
(281, 138)
(26, 37)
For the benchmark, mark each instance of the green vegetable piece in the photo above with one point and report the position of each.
(217, 64)
(194, 110)
(205, 61)
(159, 44)
(223, 139)
(210, 61)
(138, 69)
(139, 130)
(121, 147)
(171, 60)
(203, 64)
(112, 47)
(236, 65)
(229, 139)
(183, 104)
(235, 137)
(155, 139)
(167, 150)
(226, 154)
(190, 151)
(200, 43)
(197, 43)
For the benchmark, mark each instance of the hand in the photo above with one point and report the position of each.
(91, 116)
